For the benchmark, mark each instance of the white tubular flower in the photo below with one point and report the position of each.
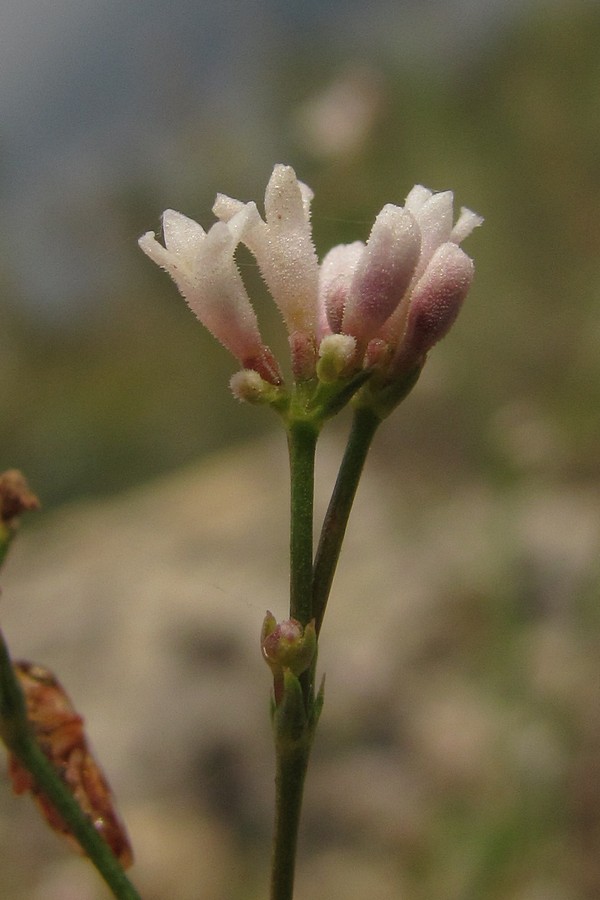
(282, 245)
(203, 268)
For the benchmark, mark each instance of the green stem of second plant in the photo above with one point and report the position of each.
(364, 426)
(309, 590)
(20, 740)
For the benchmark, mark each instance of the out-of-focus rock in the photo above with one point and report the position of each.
(438, 647)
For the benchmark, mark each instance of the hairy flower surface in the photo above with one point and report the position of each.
(404, 288)
(282, 245)
(203, 268)
(390, 299)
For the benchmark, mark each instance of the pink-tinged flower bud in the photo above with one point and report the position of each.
(378, 354)
(433, 214)
(282, 245)
(204, 270)
(303, 352)
(435, 303)
(287, 645)
(335, 278)
(247, 386)
(383, 273)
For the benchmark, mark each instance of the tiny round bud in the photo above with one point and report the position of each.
(336, 352)
(248, 386)
(288, 645)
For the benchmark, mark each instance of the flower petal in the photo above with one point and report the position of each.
(282, 245)
(435, 221)
(204, 270)
(181, 235)
(467, 221)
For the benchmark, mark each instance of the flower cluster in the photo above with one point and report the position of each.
(378, 306)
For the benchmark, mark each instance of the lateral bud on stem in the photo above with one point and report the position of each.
(287, 647)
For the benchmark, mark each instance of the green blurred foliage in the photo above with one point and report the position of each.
(134, 387)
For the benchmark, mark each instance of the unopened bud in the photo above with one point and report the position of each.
(336, 352)
(287, 645)
(377, 354)
(248, 386)
(383, 273)
(435, 303)
(335, 278)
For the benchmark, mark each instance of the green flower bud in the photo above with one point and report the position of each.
(287, 645)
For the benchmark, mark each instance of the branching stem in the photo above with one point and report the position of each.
(364, 426)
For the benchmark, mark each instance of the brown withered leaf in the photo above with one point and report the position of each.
(59, 731)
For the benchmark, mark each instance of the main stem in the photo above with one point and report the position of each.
(289, 789)
(18, 737)
(309, 591)
(364, 426)
(293, 751)
(302, 442)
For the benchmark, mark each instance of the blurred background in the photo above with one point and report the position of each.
(111, 112)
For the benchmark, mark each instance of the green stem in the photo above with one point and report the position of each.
(289, 786)
(18, 737)
(309, 590)
(364, 426)
(294, 733)
(302, 442)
